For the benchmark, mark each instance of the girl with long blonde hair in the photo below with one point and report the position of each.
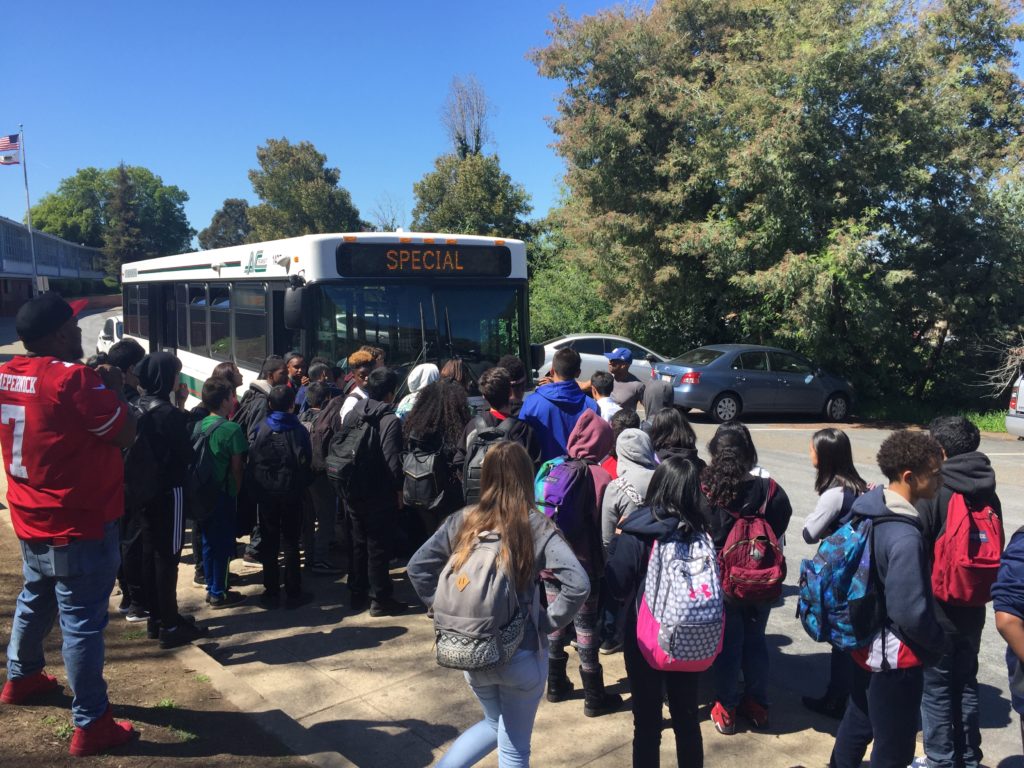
(530, 543)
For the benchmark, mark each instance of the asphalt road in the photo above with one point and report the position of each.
(783, 451)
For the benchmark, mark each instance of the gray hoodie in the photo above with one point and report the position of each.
(636, 465)
(551, 554)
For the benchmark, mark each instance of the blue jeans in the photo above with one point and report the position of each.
(949, 706)
(509, 696)
(743, 647)
(74, 582)
(219, 545)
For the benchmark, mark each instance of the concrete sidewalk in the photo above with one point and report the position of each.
(343, 689)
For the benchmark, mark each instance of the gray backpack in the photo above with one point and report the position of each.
(478, 622)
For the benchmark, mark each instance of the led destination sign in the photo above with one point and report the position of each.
(423, 260)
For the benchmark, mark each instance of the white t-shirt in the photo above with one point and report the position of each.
(608, 408)
(351, 399)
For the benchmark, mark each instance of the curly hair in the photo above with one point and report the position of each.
(732, 457)
(903, 450)
(955, 434)
(441, 411)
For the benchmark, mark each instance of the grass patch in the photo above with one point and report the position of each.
(166, 704)
(51, 720)
(201, 678)
(990, 421)
(64, 731)
(183, 735)
(134, 634)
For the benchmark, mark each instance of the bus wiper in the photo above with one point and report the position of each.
(452, 355)
(420, 358)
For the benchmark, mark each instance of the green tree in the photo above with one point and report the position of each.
(471, 195)
(123, 240)
(300, 193)
(838, 176)
(229, 226)
(78, 211)
(555, 275)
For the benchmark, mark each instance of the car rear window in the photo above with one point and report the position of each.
(699, 356)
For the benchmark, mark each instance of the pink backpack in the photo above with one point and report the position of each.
(680, 614)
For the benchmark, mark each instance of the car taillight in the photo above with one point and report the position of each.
(654, 373)
(693, 377)
(1013, 402)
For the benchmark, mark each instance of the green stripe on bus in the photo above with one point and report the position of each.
(195, 386)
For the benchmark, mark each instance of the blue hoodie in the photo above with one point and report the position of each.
(1008, 597)
(552, 411)
(912, 635)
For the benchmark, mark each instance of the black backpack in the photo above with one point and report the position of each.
(322, 430)
(353, 456)
(276, 464)
(425, 470)
(202, 486)
(143, 463)
(478, 443)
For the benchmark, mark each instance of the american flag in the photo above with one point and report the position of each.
(9, 143)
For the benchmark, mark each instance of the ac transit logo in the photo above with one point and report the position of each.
(257, 263)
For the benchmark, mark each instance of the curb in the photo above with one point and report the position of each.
(304, 744)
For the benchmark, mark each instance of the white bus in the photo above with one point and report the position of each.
(420, 297)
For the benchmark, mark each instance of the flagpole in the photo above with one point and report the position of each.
(28, 214)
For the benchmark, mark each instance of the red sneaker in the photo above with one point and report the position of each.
(754, 712)
(101, 735)
(724, 719)
(19, 690)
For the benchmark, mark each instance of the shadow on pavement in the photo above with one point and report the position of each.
(314, 645)
(204, 728)
(993, 707)
(380, 742)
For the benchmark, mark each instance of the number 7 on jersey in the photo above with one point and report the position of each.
(16, 415)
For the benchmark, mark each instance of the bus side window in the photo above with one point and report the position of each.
(250, 310)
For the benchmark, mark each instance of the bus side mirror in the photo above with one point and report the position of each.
(536, 356)
(294, 308)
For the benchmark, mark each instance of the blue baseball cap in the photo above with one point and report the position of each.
(620, 353)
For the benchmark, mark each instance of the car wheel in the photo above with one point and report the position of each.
(837, 407)
(726, 407)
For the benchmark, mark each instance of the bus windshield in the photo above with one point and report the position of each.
(415, 323)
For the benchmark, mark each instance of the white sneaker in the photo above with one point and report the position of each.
(919, 762)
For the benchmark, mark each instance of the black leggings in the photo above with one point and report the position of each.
(647, 686)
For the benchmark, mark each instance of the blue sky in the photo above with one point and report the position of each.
(190, 89)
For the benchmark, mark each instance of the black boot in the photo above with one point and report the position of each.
(596, 701)
(828, 705)
(559, 685)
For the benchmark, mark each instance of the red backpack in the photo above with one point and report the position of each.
(967, 554)
(751, 562)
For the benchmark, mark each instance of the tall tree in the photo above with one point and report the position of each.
(123, 240)
(229, 226)
(837, 176)
(464, 116)
(300, 193)
(471, 195)
(78, 210)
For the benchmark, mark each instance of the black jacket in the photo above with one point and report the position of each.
(521, 433)
(253, 408)
(171, 436)
(970, 474)
(387, 473)
(751, 494)
(626, 568)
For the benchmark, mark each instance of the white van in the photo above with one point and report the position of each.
(1015, 415)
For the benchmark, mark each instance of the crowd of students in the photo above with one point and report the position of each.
(435, 479)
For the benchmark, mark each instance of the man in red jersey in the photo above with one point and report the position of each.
(61, 430)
